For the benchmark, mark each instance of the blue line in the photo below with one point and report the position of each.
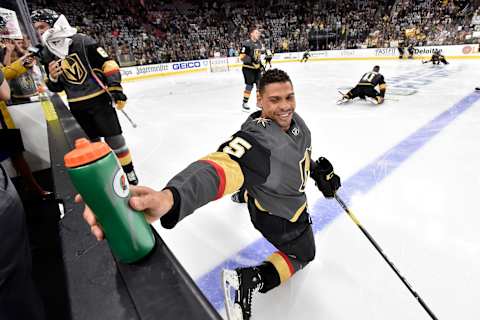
(323, 211)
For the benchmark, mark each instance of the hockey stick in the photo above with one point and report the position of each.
(379, 250)
(129, 119)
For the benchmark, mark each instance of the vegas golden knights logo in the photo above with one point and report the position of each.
(304, 166)
(73, 69)
(256, 54)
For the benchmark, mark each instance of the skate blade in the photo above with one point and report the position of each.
(228, 281)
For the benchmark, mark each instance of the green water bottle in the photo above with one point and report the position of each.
(100, 180)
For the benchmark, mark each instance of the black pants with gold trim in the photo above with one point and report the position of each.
(294, 240)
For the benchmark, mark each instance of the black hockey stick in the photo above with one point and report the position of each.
(129, 119)
(379, 250)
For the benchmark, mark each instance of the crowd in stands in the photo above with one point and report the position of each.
(151, 31)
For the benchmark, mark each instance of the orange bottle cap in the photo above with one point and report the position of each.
(85, 152)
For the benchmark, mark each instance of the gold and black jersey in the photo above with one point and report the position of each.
(251, 54)
(84, 57)
(273, 165)
(372, 78)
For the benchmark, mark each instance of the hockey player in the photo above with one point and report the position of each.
(268, 161)
(306, 55)
(411, 51)
(252, 66)
(268, 58)
(365, 89)
(401, 50)
(436, 58)
(91, 79)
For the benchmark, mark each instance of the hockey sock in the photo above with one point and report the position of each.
(247, 92)
(283, 266)
(270, 276)
(119, 147)
(246, 96)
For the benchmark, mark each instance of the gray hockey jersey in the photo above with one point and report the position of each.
(272, 164)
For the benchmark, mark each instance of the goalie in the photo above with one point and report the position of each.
(366, 88)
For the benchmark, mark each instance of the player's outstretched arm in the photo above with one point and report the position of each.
(153, 204)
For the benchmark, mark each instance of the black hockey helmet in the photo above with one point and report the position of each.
(376, 68)
(44, 15)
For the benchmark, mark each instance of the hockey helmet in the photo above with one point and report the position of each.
(44, 15)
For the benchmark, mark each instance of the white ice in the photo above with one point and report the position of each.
(424, 214)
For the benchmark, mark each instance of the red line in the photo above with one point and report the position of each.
(221, 176)
(287, 260)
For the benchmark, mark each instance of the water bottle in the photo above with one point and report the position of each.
(98, 177)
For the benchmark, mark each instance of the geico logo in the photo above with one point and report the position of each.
(186, 65)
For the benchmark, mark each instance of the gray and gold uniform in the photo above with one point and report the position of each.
(271, 167)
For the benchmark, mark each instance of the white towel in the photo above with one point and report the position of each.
(57, 39)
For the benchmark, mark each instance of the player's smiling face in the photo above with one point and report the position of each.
(278, 103)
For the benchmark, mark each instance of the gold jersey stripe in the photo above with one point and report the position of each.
(110, 66)
(298, 212)
(88, 96)
(259, 206)
(233, 173)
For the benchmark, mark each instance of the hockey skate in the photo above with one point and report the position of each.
(245, 107)
(373, 100)
(132, 178)
(244, 283)
(343, 99)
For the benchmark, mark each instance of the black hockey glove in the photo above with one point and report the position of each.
(325, 179)
(120, 99)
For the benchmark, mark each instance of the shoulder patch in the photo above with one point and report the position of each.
(102, 52)
(262, 122)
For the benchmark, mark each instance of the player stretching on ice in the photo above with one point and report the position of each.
(365, 89)
(436, 58)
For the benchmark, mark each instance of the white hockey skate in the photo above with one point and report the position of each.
(372, 100)
(343, 100)
(243, 283)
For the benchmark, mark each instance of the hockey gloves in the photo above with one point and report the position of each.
(325, 179)
(120, 99)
